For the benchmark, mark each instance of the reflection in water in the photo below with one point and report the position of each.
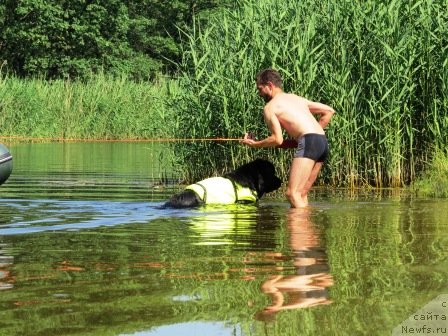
(218, 225)
(89, 171)
(308, 286)
(6, 281)
(191, 329)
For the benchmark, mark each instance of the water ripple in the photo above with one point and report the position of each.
(51, 215)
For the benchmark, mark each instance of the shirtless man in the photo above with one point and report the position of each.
(295, 115)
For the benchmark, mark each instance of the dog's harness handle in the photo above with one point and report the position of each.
(204, 197)
(235, 190)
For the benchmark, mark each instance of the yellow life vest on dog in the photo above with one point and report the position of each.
(220, 190)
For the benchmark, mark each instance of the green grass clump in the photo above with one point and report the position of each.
(433, 182)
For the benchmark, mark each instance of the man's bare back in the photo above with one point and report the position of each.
(294, 114)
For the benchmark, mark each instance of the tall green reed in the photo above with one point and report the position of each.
(381, 65)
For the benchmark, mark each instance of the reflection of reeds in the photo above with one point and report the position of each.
(381, 65)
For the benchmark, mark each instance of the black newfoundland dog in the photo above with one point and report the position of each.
(246, 184)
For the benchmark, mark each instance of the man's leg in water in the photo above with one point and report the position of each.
(311, 180)
(301, 170)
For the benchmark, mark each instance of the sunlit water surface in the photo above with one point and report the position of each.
(85, 249)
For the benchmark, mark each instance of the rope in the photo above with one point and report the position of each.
(41, 139)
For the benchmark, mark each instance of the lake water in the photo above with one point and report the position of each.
(86, 250)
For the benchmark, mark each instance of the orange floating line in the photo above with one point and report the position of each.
(49, 139)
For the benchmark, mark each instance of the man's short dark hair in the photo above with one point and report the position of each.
(269, 75)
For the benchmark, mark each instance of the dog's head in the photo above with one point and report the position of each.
(258, 175)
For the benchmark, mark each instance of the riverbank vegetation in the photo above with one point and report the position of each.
(101, 107)
(381, 65)
(433, 181)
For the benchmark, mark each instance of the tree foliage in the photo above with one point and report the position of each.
(72, 38)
